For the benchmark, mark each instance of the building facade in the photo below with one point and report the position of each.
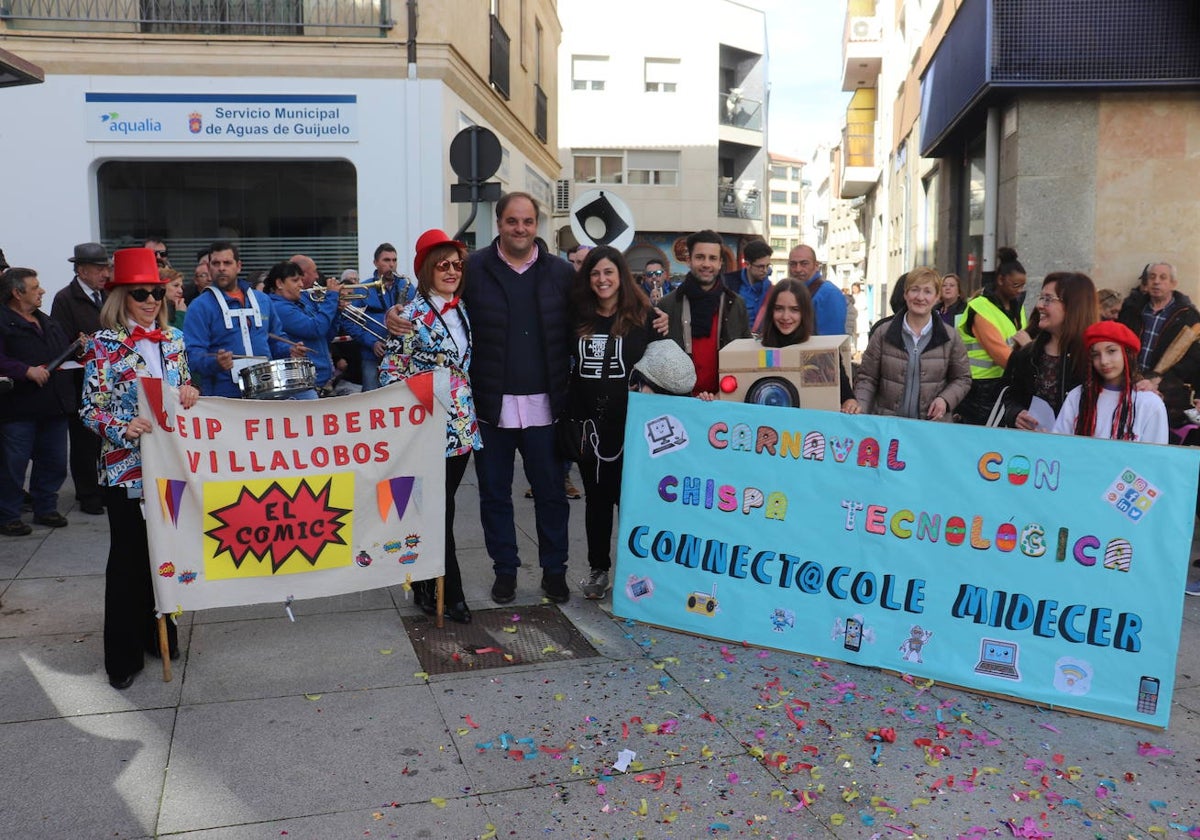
(1073, 138)
(785, 209)
(320, 128)
(671, 119)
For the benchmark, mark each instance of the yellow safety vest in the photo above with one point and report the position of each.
(982, 365)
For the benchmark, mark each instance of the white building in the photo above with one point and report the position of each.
(664, 105)
(317, 128)
(785, 207)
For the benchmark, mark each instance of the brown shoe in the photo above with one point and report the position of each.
(573, 491)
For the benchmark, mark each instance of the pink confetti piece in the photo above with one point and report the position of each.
(732, 778)
(1051, 728)
(763, 654)
(469, 722)
(1027, 829)
(601, 789)
(1146, 749)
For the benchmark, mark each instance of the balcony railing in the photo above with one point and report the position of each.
(740, 112)
(202, 17)
(498, 74)
(739, 201)
(539, 113)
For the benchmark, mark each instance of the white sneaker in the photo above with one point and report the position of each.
(595, 584)
(1192, 588)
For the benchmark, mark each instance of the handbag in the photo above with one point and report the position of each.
(996, 417)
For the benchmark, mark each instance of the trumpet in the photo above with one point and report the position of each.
(349, 291)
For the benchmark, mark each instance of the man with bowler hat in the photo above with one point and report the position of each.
(76, 308)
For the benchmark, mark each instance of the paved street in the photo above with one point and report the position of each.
(327, 728)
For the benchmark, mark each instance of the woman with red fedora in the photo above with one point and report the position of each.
(1107, 405)
(440, 338)
(134, 341)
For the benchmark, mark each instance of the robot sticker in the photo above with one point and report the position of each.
(910, 648)
(665, 434)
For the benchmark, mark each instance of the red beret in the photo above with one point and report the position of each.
(1113, 331)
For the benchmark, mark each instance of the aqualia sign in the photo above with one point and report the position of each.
(181, 117)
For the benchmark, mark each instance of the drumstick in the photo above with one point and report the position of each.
(236, 356)
(289, 342)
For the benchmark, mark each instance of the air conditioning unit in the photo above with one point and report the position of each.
(562, 196)
(864, 29)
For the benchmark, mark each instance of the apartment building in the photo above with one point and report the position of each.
(319, 127)
(977, 124)
(667, 115)
(785, 208)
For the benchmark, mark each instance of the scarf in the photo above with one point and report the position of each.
(703, 304)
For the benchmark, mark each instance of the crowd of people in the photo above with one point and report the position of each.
(541, 354)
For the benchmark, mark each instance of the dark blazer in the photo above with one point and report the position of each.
(21, 347)
(486, 299)
(76, 313)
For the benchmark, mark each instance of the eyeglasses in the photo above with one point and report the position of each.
(159, 253)
(657, 273)
(1046, 300)
(446, 265)
(140, 295)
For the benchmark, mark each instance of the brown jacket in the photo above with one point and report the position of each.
(945, 372)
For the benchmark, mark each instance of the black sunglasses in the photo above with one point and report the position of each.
(140, 295)
(655, 273)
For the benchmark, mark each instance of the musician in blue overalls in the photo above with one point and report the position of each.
(229, 327)
(396, 290)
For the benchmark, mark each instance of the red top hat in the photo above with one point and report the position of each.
(134, 267)
(429, 240)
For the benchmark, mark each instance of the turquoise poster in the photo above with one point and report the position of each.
(1043, 567)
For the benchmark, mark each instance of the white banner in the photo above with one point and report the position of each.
(254, 501)
(207, 117)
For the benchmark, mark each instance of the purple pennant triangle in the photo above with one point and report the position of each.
(401, 488)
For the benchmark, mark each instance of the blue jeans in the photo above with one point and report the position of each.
(44, 442)
(370, 372)
(494, 465)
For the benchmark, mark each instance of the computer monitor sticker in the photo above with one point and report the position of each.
(998, 659)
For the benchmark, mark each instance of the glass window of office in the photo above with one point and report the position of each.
(270, 209)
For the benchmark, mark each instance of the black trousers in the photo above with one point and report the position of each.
(129, 623)
(84, 458)
(602, 493)
(456, 468)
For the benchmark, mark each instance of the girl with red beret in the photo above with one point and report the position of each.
(1107, 405)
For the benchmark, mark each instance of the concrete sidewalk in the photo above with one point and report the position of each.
(324, 728)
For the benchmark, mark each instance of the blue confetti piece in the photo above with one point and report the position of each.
(1157, 804)
(714, 827)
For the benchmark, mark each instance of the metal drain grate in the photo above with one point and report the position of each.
(543, 634)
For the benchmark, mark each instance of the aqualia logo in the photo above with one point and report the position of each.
(127, 127)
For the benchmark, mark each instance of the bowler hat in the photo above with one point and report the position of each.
(429, 240)
(665, 366)
(134, 267)
(89, 253)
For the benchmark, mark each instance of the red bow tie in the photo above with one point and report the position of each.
(155, 335)
(450, 304)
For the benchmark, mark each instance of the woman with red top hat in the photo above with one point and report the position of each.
(440, 338)
(134, 341)
(1107, 405)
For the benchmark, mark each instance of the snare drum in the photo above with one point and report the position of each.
(277, 379)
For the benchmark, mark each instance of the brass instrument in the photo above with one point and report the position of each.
(349, 291)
